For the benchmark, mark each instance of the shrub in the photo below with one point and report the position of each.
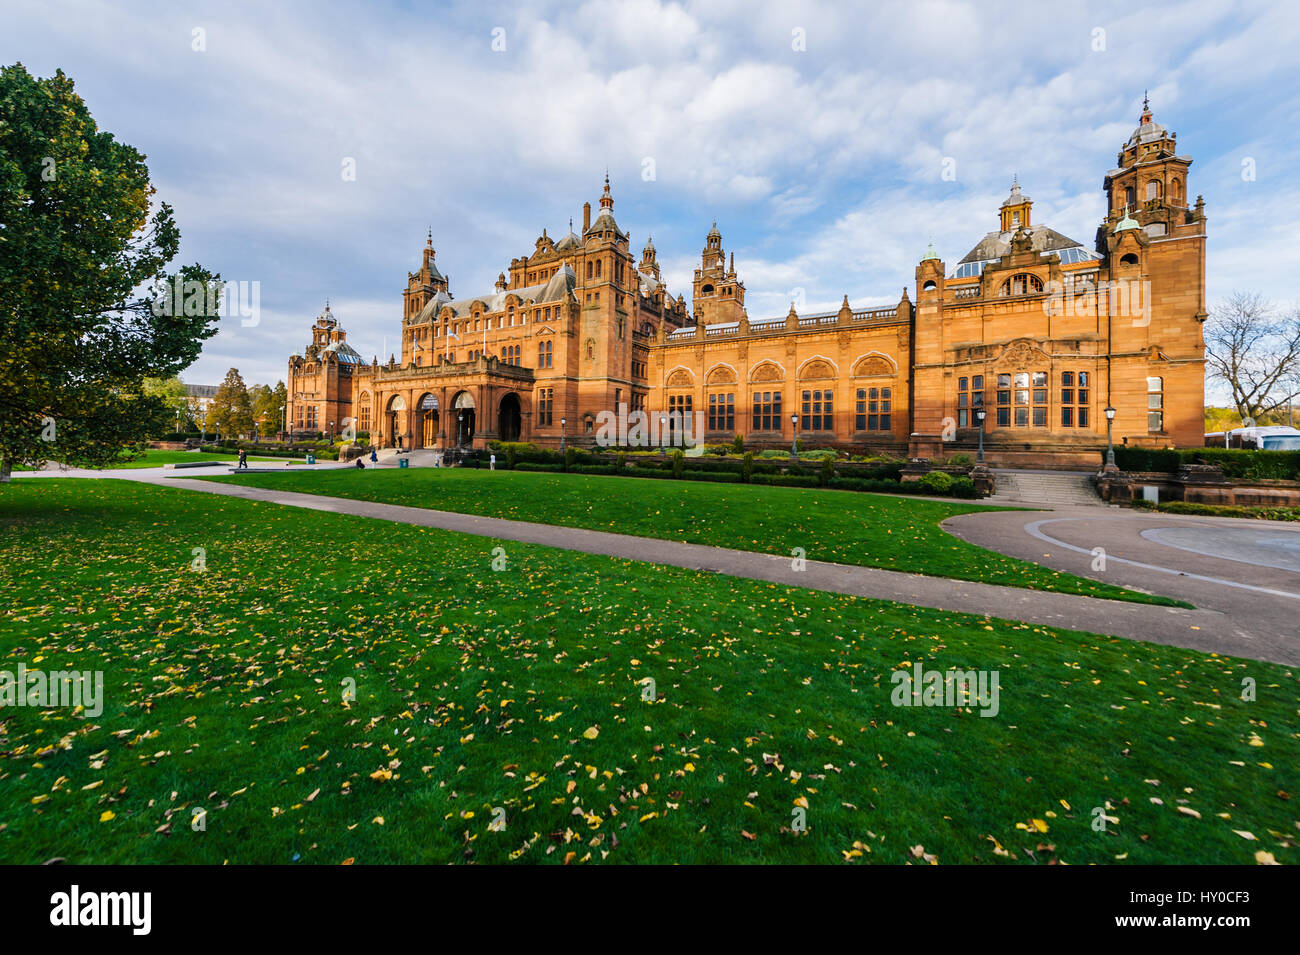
(936, 482)
(679, 463)
(772, 453)
(570, 458)
(963, 486)
(827, 472)
(747, 467)
(738, 444)
(620, 461)
(818, 454)
(960, 460)
(1146, 459)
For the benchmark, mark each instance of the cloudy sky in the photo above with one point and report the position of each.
(816, 135)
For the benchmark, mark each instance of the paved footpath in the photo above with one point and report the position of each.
(1241, 622)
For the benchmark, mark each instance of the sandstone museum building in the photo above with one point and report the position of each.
(1038, 331)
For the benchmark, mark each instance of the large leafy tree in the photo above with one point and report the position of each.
(232, 408)
(268, 407)
(171, 393)
(84, 315)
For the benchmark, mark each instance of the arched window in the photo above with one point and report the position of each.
(1023, 284)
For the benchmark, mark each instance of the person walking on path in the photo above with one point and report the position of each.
(374, 456)
(243, 458)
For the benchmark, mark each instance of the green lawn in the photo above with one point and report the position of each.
(155, 459)
(518, 690)
(847, 527)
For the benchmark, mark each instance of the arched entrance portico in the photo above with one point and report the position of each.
(395, 416)
(509, 418)
(462, 419)
(426, 431)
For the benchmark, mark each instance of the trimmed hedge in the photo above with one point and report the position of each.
(1237, 463)
(774, 469)
(1257, 512)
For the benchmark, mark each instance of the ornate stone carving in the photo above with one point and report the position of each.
(872, 366)
(817, 369)
(681, 378)
(721, 375)
(1022, 351)
(767, 372)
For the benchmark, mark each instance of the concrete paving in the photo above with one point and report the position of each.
(1245, 574)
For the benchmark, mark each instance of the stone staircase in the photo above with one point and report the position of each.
(1052, 488)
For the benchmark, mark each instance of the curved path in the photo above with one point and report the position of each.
(1244, 572)
(1243, 609)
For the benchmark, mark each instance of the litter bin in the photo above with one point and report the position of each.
(311, 458)
(404, 463)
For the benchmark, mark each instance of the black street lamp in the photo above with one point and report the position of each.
(663, 423)
(979, 416)
(331, 434)
(563, 422)
(1110, 441)
(794, 436)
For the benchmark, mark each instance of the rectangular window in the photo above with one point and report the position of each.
(545, 403)
(722, 412)
(1067, 416)
(1155, 404)
(1040, 417)
(817, 414)
(767, 410)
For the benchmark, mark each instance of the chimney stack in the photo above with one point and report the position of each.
(586, 217)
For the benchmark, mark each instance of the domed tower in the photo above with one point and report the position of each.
(1150, 179)
(719, 296)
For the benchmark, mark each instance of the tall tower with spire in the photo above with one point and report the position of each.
(424, 283)
(719, 296)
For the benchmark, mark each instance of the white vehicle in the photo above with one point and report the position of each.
(1270, 438)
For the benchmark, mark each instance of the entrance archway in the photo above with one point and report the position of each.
(509, 418)
(426, 435)
(462, 418)
(395, 414)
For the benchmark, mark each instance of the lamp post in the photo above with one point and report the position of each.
(979, 416)
(663, 423)
(794, 436)
(331, 434)
(1110, 441)
(563, 422)
(460, 427)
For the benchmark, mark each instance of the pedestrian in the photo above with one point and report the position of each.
(243, 458)
(492, 465)
(360, 463)
(374, 456)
